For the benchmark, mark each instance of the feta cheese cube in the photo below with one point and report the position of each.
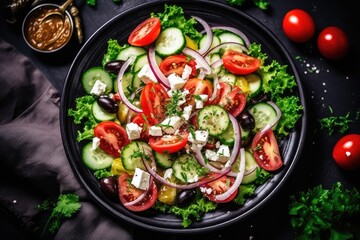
(187, 112)
(194, 179)
(99, 88)
(95, 143)
(171, 124)
(155, 131)
(168, 173)
(199, 103)
(223, 153)
(141, 179)
(175, 81)
(211, 155)
(133, 131)
(201, 137)
(186, 72)
(146, 74)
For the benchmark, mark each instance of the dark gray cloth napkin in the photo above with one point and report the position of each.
(33, 164)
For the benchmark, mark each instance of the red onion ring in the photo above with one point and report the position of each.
(200, 60)
(126, 101)
(238, 179)
(209, 35)
(151, 56)
(236, 31)
(215, 87)
(141, 197)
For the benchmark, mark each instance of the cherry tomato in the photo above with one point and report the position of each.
(239, 63)
(197, 86)
(145, 33)
(346, 152)
(298, 25)
(152, 100)
(129, 193)
(112, 137)
(333, 43)
(219, 186)
(266, 151)
(176, 64)
(141, 120)
(169, 143)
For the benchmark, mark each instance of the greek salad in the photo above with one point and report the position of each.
(184, 115)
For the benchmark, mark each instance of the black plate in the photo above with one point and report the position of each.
(119, 28)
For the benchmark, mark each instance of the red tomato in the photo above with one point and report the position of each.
(142, 121)
(266, 151)
(239, 63)
(129, 193)
(169, 143)
(176, 64)
(197, 86)
(112, 137)
(234, 101)
(152, 100)
(333, 43)
(219, 186)
(145, 33)
(298, 25)
(346, 152)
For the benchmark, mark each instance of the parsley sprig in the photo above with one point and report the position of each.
(65, 207)
(340, 123)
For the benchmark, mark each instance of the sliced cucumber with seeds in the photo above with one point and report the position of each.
(250, 168)
(163, 160)
(142, 59)
(214, 119)
(215, 41)
(95, 159)
(130, 51)
(230, 37)
(131, 155)
(187, 169)
(90, 76)
(126, 84)
(228, 137)
(100, 115)
(254, 83)
(263, 114)
(228, 78)
(170, 41)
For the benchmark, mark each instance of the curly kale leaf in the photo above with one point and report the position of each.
(113, 51)
(290, 113)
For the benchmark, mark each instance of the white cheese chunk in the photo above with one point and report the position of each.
(199, 103)
(175, 81)
(155, 131)
(133, 131)
(187, 112)
(141, 179)
(223, 153)
(211, 155)
(95, 143)
(99, 88)
(186, 72)
(171, 124)
(146, 74)
(201, 137)
(168, 173)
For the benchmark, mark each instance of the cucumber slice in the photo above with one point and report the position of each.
(100, 115)
(128, 155)
(187, 169)
(230, 37)
(228, 78)
(90, 76)
(95, 159)
(126, 84)
(254, 83)
(263, 114)
(136, 82)
(214, 119)
(250, 168)
(228, 137)
(163, 160)
(215, 41)
(130, 51)
(170, 41)
(142, 59)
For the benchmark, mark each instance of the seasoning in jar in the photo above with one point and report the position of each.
(50, 33)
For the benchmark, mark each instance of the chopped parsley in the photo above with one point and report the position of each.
(340, 123)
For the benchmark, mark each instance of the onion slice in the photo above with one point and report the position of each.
(141, 197)
(216, 87)
(237, 181)
(236, 31)
(155, 68)
(209, 35)
(126, 101)
(200, 60)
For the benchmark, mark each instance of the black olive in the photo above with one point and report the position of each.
(109, 187)
(262, 97)
(108, 104)
(185, 197)
(114, 66)
(247, 121)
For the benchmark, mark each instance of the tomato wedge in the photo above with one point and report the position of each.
(145, 33)
(266, 150)
(197, 86)
(218, 186)
(152, 100)
(176, 64)
(169, 143)
(112, 137)
(239, 63)
(141, 120)
(128, 193)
